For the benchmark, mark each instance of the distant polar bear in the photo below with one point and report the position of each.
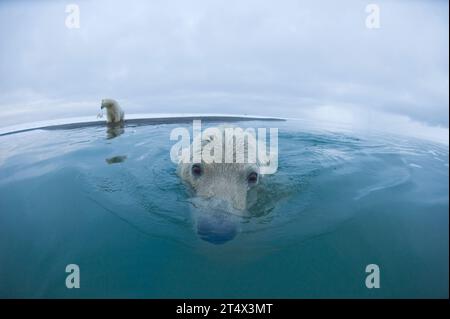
(114, 113)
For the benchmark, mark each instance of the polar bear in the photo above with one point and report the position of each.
(222, 189)
(228, 181)
(114, 113)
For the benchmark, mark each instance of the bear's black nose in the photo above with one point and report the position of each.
(216, 230)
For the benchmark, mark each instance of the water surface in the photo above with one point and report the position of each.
(112, 203)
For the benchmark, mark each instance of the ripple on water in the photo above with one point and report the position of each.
(322, 179)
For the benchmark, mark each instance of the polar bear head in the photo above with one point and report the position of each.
(108, 104)
(228, 170)
(223, 181)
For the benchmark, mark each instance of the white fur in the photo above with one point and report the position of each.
(114, 113)
(223, 181)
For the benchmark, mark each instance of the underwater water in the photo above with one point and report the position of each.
(112, 203)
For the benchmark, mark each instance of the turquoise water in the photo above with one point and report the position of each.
(112, 203)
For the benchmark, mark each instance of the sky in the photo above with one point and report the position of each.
(302, 59)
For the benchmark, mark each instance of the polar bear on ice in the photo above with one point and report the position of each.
(114, 113)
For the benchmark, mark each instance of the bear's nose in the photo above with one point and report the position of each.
(216, 229)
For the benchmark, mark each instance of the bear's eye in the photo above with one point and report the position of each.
(252, 178)
(196, 170)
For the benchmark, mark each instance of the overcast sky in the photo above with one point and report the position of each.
(267, 57)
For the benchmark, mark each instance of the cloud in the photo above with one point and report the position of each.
(258, 57)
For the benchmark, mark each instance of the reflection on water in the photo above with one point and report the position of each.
(114, 130)
(116, 159)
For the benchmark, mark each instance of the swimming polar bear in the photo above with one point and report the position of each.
(220, 179)
(114, 113)
(223, 190)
